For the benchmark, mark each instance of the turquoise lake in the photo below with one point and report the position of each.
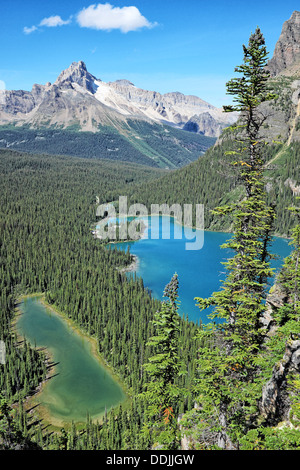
(200, 272)
(80, 384)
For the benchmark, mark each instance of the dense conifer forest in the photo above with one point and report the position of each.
(48, 207)
(212, 180)
(151, 144)
(231, 384)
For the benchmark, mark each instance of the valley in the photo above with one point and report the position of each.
(138, 142)
(191, 350)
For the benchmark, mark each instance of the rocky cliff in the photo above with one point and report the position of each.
(281, 117)
(287, 49)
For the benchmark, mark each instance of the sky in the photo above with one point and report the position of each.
(190, 46)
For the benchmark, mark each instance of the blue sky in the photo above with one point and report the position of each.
(191, 46)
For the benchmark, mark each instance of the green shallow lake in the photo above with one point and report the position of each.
(80, 384)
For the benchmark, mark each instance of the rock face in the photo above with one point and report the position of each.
(190, 113)
(77, 73)
(281, 118)
(287, 49)
(79, 98)
(275, 404)
(205, 124)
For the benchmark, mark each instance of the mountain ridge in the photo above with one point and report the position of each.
(78, 96)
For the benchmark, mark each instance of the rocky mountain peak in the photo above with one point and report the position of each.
(124, 82)
(77, 73)
(287, 49)
(78, 97)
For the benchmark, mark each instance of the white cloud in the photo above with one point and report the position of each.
(54, 21)
(107, 17)
(50, 22)
(29, 30)
(103, 17)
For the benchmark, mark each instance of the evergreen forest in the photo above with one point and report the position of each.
(231, 384)
(48, 206)
(151, 144)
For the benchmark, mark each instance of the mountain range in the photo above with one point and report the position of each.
(78, 98)
(81, 115)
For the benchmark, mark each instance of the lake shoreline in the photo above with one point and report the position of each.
(204, 258)
(192, 227)
(132, 267)
(33, 399)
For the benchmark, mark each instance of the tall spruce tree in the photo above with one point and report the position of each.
(228, 371)
(161, 393)
(278, 368)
